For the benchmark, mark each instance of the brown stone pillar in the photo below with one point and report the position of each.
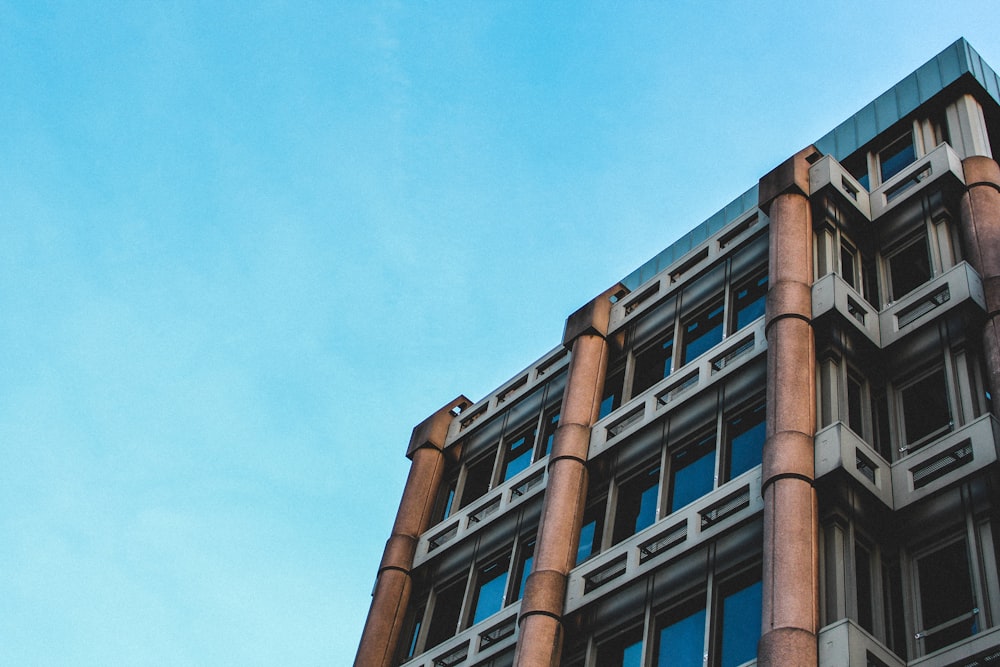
(790, 610)
(981, 237)
(392, 587)
(541, 633)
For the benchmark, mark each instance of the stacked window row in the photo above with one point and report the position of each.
(459, 597)
(716, 437)
(504, 447)
(692, 320)
(905, 397)
(920, 586)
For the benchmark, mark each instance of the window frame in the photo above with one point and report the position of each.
(698, 439)
(919, 633)
(712, 309)
(636, 475)
(721, 295)
(473, 594)
(899, 248)
(881, 160)
(905, 445)
(753, 405)
(527, 436)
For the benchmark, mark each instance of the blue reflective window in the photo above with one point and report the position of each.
(591, 532)
(692, 472)
(745, 441)
(527, 556)
(622, 651)
(518, 454)
(681, 643)
(702, 332)
(740, 625)
(587, 532)
(491, 583)
(632, 655)
(652, 365)
(749, 301)
(611, 398)
(896, 157)
(549, 434)
(636, 508)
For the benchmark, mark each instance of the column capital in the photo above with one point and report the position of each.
(433, 431)
(594, 317)
(792, 175)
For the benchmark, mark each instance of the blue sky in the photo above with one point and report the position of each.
(246, 247)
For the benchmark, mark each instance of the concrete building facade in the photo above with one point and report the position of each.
(775, 443)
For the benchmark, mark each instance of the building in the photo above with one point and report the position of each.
(772, 442)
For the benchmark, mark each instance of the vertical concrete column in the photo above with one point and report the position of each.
(790, 610)
(981, 237)
(392, 587)
(539, 643)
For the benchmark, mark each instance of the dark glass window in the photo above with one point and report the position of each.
(740, 623)
(622, 651)
(518, 452)
(702, 332)
(681, 638)
(849, 264)
(892, 604)
(895, 157)
(636, 507)
(749, 300)
(526, 558)
(855, 404)
(925, 406)
(857, 166)
(692, 472)
(946, 598)
(652, 365)
(909, 268)
(446, 500)
(611, 398)
(491, 584)
(549, 432)
(447, 607)
(410, 640)
(745, 441)
(863, 586)
(590, 532)
(871, 292)
(477, 480)
(880, 424)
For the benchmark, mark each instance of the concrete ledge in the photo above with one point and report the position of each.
(433, 431)
(792, 175)
(592, 318)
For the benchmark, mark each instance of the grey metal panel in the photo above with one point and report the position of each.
(698, 235)
(908, 94)
(864, 121)
(828, 144)
(847, 139)
(952, 62)
(886, 110)
(929, 79)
